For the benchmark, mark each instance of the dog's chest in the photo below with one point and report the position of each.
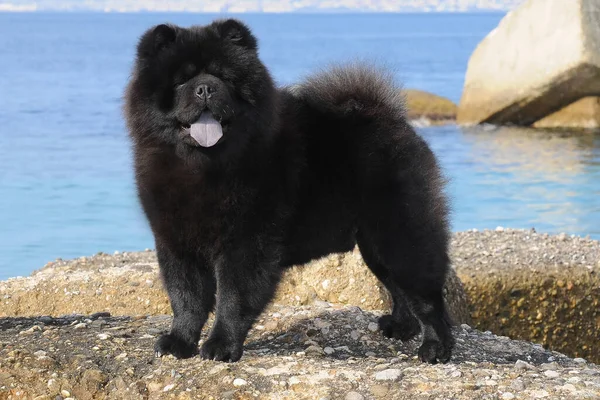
(189, 210)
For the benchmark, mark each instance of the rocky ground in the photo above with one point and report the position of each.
(314, 342)
(322, 351)
(537, 287)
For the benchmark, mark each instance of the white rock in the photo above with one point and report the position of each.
(329, 350)
(520, 364)
(373, 327)
(507, 396)
(40, 353)
(551, 374)
(33, 329)
(168, 387)
(513, 75)
(239, 382)
(293, 381)
(390, 374)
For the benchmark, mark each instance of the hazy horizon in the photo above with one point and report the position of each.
(262, 6)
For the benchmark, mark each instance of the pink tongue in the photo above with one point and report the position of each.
(206, 131)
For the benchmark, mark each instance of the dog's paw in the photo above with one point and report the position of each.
(221, 349)
(170, 344)
(404, 330)
(432, 351)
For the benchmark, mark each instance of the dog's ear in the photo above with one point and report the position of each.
(156, 39)
(236, 32)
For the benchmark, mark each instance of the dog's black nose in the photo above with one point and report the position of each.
(204, 91)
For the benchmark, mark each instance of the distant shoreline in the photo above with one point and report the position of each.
(226, 12)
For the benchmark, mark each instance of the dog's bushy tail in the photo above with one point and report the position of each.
(356, 89)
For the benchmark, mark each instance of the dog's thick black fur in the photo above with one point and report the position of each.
(299, 173)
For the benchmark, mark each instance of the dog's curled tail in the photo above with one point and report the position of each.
(353, 90)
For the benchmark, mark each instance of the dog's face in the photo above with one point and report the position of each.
(195, 86)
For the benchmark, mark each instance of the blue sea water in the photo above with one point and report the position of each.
(66, 185)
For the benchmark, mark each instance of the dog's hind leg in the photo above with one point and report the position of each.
(401, 323)
(404, 240)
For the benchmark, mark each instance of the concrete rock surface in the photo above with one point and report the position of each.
(533, 286)
(129, 284)
(112, 358)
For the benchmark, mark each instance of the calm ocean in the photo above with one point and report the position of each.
(66, 186)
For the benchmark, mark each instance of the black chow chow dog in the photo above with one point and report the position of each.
(240, 180)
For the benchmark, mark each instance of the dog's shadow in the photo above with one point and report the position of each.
(333, 334)
(352, 333)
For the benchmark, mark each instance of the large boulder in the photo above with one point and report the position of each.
(542, 57)
(584, 113)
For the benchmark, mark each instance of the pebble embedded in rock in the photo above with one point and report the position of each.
(549, 366)
(551, 374)
(521, 365)
(293, 381)
(314, 350)
(539, 394)
(40, 353)
(239, 382)
(31, 330)
(168, 387)
(373, 327)
(390, 374)
(354, 396)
